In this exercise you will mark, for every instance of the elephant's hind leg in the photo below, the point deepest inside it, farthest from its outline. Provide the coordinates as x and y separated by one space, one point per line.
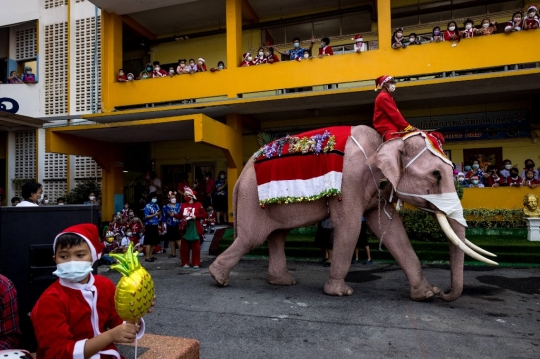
277 265
224 263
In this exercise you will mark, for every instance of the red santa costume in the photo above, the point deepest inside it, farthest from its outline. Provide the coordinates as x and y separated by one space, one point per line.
471 32
159 72
115 227
516 181
515 25
201 65
531 21
121 76
386 117
248 60
359 45
210 220
69 313
191 212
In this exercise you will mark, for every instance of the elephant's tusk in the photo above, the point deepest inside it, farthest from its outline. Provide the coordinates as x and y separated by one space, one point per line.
452 236
478 249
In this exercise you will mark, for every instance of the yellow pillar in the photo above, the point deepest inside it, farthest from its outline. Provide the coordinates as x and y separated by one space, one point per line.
235 164
111 55
106 155
234 35
384 24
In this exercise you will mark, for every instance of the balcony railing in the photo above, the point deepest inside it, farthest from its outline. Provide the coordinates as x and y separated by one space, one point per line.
495 51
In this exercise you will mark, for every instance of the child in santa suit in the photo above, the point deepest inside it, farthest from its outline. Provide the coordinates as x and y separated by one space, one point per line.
514 179
192 212
386 118
270 56
201 65
248 60
121 76
469 31
531 21
158 71
260 59
325 50
529 179
359 45
76 316
115 225
516 24
210 220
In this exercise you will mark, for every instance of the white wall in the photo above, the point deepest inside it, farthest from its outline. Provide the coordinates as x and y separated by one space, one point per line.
16 11
27 95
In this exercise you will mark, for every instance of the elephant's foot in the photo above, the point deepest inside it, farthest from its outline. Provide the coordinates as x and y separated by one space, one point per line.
423 291
281 279
337 287
221 276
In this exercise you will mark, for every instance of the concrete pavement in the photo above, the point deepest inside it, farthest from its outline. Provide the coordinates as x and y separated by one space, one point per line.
498 315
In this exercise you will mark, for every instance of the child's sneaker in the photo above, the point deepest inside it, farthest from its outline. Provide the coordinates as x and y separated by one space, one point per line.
195 267
185 267
369 262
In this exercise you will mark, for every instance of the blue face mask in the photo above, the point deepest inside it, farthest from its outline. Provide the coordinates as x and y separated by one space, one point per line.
296 44
475 166
467 168
220 67
154 200
74 271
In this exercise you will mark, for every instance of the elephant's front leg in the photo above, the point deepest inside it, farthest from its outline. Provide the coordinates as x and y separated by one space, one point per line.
397 242
345 238
277 264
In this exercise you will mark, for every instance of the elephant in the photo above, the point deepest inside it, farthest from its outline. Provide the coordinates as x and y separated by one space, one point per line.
415 176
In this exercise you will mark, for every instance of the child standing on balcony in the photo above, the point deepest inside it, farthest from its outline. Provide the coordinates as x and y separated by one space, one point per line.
531 22
414 39
397 39
452 33
181 69
359 45
260 59
516 24
192 67
158 71
121 76
248 60
325 50
28 77
488 28
147 72
436 35
530 180
469 31
201 65
270 56
514 180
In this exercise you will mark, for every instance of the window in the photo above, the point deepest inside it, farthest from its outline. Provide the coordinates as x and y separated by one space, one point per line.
327 28
303 31
356 23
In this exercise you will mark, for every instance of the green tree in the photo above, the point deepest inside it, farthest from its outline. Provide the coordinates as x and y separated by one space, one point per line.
79 193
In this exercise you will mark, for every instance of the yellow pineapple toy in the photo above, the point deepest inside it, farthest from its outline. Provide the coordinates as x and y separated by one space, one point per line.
135 290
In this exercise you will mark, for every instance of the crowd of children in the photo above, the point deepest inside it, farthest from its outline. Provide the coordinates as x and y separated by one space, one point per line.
452 33
489 175
184 67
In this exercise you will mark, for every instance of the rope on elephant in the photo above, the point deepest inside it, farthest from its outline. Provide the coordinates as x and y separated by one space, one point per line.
380 197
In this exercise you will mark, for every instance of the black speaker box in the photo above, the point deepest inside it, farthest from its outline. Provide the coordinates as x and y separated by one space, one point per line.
26 238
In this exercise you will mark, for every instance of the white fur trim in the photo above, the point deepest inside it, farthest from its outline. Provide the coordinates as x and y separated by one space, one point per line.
95 256
300 188
78 350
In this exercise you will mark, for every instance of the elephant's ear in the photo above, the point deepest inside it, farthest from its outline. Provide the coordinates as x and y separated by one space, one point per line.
388 160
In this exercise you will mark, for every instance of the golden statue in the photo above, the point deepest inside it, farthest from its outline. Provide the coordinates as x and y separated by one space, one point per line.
530 203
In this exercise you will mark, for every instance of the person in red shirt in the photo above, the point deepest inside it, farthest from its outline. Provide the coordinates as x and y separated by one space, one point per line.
514 180
386 118
9 315
270 56
531 20
191 214
452 33
325 50
529 179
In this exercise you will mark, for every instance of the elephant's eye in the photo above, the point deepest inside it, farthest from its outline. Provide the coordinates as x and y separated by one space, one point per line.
437 175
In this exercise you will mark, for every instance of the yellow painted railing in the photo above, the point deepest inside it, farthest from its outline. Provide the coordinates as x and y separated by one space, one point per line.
496 198
482 52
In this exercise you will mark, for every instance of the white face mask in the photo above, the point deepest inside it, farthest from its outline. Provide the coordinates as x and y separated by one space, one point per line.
45 201
61 203
460 179
468 26
452 28
222 176
485 26
411 39
261 53
507 166
306 55
157 68
74 271
532 14
129 234
91 198
171 71
448 203
130 78
173 200
249 58
391 88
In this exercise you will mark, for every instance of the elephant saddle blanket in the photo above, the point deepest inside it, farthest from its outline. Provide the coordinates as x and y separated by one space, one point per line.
434 141
303 167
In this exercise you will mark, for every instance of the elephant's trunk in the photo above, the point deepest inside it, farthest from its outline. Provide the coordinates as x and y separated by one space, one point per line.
458 247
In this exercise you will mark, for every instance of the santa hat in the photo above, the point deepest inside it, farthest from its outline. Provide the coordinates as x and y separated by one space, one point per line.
357 37
88 232
246 54
461 174
380 81
171 194
201 59
532 7
189 192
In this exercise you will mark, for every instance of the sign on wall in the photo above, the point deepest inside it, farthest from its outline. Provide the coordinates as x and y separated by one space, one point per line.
477 126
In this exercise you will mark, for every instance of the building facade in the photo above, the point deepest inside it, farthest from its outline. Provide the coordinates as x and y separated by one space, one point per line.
481 93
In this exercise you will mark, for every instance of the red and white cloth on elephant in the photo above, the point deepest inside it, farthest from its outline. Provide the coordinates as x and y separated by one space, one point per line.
303 167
